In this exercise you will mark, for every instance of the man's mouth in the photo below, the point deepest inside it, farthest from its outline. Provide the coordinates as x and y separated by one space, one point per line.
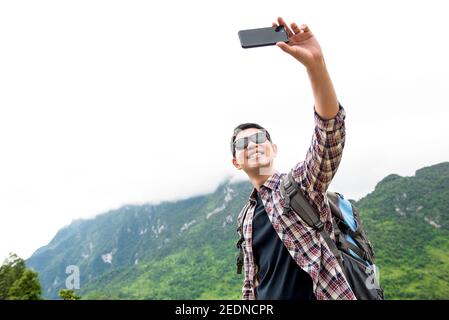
254 154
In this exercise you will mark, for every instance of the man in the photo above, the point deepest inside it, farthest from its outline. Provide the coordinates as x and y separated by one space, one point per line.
283 257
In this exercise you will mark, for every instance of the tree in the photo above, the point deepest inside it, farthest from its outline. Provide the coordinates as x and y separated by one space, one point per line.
66 294
18 282
27 287
11 270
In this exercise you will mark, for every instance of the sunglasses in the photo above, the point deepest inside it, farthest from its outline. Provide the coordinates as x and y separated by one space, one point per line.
242 143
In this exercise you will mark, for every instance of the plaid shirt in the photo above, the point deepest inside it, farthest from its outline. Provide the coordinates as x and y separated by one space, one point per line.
304 244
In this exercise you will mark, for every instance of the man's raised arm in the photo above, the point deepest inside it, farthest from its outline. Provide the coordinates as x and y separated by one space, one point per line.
304 47
323 157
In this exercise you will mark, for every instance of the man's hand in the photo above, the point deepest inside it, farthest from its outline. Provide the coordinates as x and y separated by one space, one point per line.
302 45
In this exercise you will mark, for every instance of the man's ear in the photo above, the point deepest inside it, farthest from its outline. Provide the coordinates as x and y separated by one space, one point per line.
235 163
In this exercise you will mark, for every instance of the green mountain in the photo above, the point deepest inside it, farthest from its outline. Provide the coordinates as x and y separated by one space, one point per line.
407 219
186 249
173 250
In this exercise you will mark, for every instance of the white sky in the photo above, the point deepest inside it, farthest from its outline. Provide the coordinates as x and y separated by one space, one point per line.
104 103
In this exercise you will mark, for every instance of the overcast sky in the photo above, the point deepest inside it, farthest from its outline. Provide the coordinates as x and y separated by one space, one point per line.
105 103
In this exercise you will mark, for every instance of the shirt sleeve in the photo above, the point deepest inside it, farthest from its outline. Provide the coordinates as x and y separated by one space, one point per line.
316 172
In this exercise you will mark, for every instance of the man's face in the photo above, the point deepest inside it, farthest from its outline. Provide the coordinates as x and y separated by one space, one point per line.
255 156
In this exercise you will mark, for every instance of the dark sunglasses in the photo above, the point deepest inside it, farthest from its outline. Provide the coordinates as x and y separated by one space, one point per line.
242 143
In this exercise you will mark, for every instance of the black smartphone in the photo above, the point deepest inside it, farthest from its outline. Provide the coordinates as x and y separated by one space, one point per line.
261 37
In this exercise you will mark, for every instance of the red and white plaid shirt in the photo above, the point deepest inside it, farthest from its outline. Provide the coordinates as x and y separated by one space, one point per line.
304 244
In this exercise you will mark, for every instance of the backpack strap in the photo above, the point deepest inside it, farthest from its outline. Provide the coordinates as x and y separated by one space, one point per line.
295 199
362 249
361 243
345 245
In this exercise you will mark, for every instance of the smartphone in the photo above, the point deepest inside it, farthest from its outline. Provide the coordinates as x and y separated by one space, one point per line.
261 37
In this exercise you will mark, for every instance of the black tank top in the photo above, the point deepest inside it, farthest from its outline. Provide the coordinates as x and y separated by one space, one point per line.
280 277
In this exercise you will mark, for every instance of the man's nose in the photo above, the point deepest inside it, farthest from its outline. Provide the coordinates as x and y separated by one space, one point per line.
252 144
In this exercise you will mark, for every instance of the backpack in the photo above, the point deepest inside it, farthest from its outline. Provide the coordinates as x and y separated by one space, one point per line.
352 248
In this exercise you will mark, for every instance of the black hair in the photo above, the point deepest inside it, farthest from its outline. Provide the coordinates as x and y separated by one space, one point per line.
245 126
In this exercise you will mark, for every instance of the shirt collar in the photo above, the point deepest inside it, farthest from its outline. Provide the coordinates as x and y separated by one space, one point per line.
271 183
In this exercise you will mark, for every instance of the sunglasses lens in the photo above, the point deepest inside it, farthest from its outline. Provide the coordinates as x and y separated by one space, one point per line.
241 144
261 137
